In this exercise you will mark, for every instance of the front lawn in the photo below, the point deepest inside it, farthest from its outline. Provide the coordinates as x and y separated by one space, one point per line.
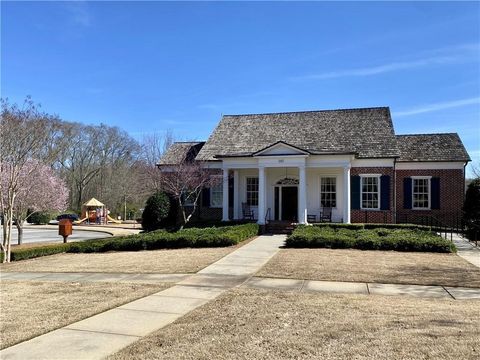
187 238
368 239
156 261
372 266
260 324
32 308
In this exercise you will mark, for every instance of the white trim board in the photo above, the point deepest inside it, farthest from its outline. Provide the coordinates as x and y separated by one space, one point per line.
429 165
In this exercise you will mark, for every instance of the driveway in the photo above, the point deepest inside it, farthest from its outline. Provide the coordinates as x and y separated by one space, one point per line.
49 235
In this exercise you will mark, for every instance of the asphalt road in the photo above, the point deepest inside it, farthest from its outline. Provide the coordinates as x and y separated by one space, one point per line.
46 235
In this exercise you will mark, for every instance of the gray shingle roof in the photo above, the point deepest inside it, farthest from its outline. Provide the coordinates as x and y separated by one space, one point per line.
431 147
368 132
181 151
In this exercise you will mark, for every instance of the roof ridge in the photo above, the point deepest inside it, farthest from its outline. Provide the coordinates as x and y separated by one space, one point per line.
188 142
311 111
428 134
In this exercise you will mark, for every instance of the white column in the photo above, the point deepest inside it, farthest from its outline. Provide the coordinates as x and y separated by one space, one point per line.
302 195
346 194
225 195
261 196
236 195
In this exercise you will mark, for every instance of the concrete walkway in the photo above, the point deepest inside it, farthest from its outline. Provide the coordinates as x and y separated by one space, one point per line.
467 250
338 287
106 333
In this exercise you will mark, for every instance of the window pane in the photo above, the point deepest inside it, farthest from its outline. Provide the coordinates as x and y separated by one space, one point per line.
216 195
421 193
328 192
370 192
252 191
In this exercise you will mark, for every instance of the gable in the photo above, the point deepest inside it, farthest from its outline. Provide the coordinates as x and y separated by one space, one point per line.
280 148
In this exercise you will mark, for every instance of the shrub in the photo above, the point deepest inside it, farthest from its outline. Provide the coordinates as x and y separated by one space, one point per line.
368 239
156 210
397 226
471 210
340 226
160 239
33 252
40 218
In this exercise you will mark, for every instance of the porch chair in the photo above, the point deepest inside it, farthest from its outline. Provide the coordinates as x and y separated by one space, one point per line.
247 212
326 214
311 218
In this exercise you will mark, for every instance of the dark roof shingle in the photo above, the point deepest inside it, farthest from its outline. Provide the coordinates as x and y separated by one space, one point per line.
181 151
367 132
431 147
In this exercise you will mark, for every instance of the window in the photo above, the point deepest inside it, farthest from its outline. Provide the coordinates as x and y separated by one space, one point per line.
370 192
328 192
252 191
188 198
216 195
421 193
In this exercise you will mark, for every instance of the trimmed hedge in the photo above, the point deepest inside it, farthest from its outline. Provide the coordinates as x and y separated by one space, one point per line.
373 226
368 239
160 239
215 223
37 251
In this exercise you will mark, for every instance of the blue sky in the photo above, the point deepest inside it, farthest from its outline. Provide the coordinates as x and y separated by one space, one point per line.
152 66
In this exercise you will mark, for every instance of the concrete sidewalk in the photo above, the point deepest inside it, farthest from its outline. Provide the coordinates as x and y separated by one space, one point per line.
467 250
106 333
338 287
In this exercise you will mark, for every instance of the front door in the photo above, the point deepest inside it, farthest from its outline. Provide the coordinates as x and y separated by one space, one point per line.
289 203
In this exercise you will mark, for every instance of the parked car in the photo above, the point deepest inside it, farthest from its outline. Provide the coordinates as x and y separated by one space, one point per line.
71 217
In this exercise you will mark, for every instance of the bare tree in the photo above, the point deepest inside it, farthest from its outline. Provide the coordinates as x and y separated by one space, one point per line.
92 160
184 182
25 135
475 166
153 147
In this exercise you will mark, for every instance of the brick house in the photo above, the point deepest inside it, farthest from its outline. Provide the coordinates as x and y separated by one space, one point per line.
292 166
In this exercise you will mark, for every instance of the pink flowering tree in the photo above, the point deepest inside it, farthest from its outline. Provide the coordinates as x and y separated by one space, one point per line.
42 190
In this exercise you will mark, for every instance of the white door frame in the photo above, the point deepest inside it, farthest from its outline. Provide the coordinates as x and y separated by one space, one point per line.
280 199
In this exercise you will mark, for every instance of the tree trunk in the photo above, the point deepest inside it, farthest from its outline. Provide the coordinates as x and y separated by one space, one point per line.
20 232
184 217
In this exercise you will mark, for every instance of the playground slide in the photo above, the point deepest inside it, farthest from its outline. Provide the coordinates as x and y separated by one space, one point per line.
80 221
113 220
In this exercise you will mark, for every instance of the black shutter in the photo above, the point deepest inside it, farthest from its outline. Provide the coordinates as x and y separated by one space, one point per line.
385 192
435 192
407 193
355 192
206 197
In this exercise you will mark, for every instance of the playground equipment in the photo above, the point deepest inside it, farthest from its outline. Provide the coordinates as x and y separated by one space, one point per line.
95 212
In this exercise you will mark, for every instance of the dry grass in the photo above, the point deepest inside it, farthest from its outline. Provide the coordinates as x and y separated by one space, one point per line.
259 324
157 261
29 309
372 266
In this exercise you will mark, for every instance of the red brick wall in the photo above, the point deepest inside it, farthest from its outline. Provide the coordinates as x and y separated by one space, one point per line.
451 195
374 216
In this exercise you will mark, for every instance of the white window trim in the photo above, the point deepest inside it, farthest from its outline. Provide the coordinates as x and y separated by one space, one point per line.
336 187
379 192
187 202
246 188
211 193
429 187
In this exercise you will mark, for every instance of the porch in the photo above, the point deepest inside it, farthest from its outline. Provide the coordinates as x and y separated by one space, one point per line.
294 194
